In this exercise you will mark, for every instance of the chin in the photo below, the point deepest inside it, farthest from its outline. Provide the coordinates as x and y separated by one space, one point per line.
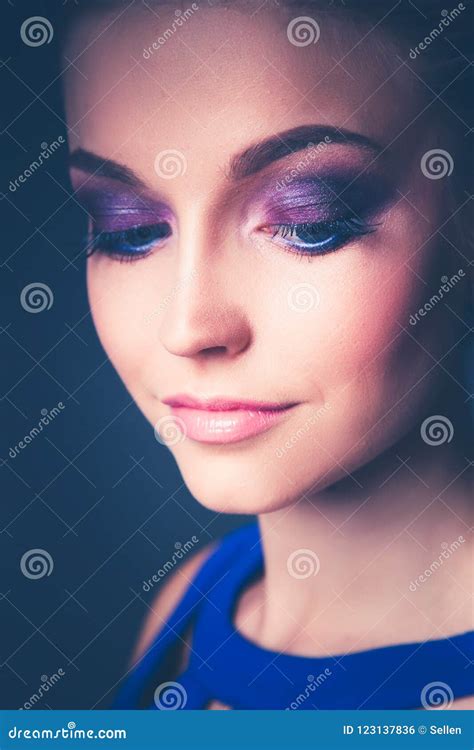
240 483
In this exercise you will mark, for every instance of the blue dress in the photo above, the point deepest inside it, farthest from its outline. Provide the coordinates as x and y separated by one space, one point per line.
225 666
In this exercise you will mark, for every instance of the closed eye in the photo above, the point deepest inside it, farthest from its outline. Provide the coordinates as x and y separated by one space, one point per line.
320 237
129 244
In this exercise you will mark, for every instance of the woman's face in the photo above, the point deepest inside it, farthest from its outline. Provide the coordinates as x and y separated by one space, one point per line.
254 292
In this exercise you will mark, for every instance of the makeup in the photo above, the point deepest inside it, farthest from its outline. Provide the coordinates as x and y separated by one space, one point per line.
221 420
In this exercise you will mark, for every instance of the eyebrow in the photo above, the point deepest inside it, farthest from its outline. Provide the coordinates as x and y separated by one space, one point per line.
247 163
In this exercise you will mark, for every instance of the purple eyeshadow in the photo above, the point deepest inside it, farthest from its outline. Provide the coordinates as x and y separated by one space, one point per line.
324 198
115 210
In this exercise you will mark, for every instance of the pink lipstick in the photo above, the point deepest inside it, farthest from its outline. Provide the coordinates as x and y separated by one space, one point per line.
224 420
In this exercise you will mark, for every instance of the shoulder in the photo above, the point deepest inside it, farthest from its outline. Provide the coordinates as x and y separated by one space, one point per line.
226 550
169 597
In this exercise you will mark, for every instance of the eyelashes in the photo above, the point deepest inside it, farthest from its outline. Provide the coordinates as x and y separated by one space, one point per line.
322 237
129 244
306 238
316 238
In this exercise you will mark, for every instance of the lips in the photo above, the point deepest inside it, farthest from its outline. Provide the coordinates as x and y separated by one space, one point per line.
223 420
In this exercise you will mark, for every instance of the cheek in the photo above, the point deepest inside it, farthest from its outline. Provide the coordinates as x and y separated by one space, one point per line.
351 336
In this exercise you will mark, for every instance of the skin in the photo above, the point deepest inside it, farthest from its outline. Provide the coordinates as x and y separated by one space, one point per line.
209 311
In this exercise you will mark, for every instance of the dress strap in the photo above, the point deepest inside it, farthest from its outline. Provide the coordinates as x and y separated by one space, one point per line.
173 630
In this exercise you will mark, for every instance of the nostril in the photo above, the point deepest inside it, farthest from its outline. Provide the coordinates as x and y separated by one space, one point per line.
211 351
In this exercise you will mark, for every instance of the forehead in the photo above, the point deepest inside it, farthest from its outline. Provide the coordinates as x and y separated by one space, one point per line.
226 77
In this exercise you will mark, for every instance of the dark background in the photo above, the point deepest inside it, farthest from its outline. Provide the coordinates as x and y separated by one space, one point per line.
95 490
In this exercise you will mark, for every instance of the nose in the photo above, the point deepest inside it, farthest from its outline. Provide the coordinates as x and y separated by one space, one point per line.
206 314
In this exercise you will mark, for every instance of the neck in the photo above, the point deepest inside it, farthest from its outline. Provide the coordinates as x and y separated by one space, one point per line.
346 562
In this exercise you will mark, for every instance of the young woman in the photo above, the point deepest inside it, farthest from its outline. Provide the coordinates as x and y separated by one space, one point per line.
278 269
